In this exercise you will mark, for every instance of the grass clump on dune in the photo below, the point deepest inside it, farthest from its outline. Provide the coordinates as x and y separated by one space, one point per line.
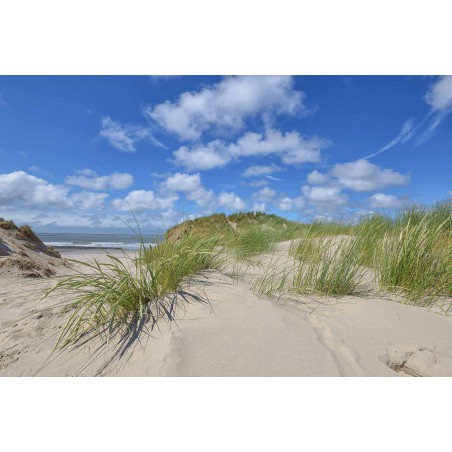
111 296
416 260
321 265
249 242
328 266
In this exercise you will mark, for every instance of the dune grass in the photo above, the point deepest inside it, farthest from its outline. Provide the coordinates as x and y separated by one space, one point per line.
249 242
416 260
409 254
328 266
320 265
111 296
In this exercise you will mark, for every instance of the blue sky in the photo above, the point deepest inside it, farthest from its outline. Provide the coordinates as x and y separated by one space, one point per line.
77 152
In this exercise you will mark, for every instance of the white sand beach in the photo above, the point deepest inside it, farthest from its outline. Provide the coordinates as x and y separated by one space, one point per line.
229 331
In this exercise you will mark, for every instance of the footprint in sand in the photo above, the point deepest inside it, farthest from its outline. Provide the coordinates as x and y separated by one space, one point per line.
345 357
413 361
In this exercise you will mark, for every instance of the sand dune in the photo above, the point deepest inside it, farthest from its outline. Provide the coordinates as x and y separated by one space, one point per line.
231 332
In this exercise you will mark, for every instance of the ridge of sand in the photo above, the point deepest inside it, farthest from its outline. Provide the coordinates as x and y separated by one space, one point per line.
235 334
22 253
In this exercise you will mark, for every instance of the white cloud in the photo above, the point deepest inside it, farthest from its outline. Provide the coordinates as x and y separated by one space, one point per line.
264 195
260 170
380 200
200 157
274 178
182 182
209 202
317 178
258 183
142 200
124 137
227 104
439 97
89 180
88 200
2 102
361 175
284 204
68 219
328 197
230 201
259 207
23 190
299 202
291 147
20 187
205 199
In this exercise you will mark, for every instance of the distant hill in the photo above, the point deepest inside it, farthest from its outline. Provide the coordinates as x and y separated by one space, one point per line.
220 223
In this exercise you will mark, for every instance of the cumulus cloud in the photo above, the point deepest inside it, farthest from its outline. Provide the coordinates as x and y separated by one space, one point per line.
361 175
284 204
204 198
182 182
88 200
227 104
231 202
259 207
327 197
260 170
125 137
208 202
264 195
142 200
317 178
291 147
89 180
380 200
202 157
20 187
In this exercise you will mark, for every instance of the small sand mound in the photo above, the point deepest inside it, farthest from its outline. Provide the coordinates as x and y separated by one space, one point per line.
418 361
22 253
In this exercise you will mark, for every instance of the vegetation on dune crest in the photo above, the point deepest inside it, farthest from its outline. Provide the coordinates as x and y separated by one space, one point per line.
409 254
320 265
416 260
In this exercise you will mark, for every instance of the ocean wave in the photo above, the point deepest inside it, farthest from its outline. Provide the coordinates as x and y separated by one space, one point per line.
102 245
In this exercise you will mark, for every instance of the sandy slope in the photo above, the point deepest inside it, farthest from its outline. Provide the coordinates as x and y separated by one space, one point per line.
235 334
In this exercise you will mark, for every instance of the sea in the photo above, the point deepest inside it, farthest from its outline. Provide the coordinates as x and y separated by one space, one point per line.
104 241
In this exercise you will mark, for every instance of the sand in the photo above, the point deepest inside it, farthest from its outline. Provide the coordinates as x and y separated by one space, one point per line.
234 333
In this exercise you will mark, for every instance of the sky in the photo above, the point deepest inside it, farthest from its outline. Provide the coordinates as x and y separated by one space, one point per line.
84 153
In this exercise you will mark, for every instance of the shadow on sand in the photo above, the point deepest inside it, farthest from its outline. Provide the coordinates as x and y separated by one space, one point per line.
115 347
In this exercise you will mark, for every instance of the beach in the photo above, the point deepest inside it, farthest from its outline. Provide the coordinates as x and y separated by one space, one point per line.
222 328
